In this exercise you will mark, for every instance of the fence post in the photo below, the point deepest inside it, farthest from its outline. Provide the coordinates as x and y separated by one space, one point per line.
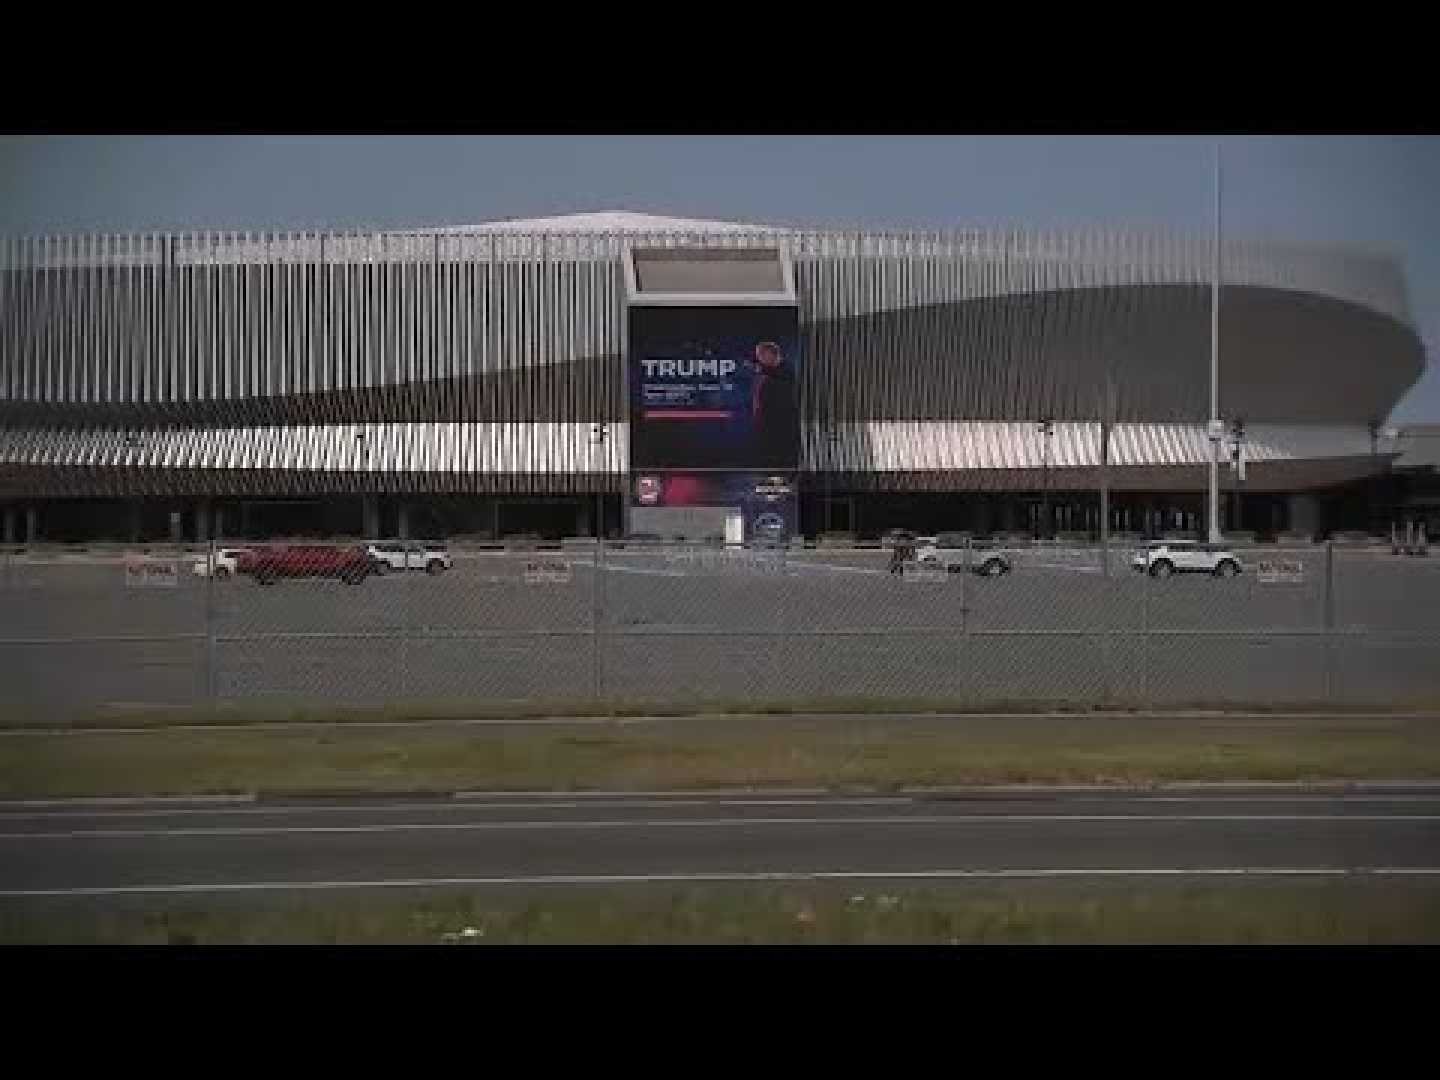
211 690
965 585
407 606
1107 633
967 661
1329 620
1145 585
597 620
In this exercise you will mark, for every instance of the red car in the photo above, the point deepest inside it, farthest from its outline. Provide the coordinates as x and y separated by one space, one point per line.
266 564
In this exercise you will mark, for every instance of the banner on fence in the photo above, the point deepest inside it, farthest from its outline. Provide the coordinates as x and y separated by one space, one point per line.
547 572
1281 571
922 571
147 573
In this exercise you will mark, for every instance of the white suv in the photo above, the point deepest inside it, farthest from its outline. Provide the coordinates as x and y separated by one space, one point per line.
1165 557
224 565
398 555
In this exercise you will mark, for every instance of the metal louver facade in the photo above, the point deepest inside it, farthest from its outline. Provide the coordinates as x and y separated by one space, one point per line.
483 361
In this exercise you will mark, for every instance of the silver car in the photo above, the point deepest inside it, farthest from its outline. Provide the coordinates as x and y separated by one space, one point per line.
956 555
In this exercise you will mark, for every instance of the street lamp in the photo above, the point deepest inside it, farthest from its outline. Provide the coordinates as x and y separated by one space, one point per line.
131 440
1374 478
832 440
1215 432
1107 424
1389 434
1237 465
369 523
1046 429
599 433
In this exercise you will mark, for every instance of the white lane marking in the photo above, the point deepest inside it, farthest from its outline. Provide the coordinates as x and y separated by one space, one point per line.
387 808
1337 797
737 876
712 823
1299 787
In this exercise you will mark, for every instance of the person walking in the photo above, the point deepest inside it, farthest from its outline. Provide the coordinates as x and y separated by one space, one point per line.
900 553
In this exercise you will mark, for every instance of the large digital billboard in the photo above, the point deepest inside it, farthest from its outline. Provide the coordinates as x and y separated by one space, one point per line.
714 388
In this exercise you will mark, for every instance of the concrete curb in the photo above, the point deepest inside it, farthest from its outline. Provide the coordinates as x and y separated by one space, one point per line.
1338 787
1318 787
632 720
1199 787
132 800
611 794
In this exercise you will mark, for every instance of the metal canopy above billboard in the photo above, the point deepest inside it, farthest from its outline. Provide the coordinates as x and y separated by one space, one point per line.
709 277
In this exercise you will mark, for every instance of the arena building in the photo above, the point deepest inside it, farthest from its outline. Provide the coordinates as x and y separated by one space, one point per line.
636 374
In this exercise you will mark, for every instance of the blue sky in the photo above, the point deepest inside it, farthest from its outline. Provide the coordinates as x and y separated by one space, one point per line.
1376 191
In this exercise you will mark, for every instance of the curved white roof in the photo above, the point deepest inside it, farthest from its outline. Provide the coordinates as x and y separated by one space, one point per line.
608 221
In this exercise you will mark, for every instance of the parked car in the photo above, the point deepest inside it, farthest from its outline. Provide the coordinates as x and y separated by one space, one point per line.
266 565
224 561
402 555
951 552
1165 557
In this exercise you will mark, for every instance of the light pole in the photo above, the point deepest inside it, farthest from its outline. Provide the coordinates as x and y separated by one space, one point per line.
1374 480
599 433
832 440
1389 434
1217 428
1046 429
1107 423
131 440
1237 464
369 522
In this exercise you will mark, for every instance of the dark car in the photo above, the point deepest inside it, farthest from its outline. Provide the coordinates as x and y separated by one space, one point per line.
266 565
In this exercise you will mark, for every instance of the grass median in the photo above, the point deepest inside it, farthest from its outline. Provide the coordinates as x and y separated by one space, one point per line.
1021 912
828 752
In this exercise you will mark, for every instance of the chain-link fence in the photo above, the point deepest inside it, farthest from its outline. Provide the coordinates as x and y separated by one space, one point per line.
973 624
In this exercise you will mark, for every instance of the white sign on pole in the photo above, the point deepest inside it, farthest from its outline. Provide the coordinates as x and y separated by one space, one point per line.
918 571
1281 571
547 572
149 573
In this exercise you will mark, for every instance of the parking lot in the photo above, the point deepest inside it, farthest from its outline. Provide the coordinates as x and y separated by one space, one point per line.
675 624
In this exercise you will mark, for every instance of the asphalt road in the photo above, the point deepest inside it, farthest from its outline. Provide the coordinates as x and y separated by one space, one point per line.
151 853
673 625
